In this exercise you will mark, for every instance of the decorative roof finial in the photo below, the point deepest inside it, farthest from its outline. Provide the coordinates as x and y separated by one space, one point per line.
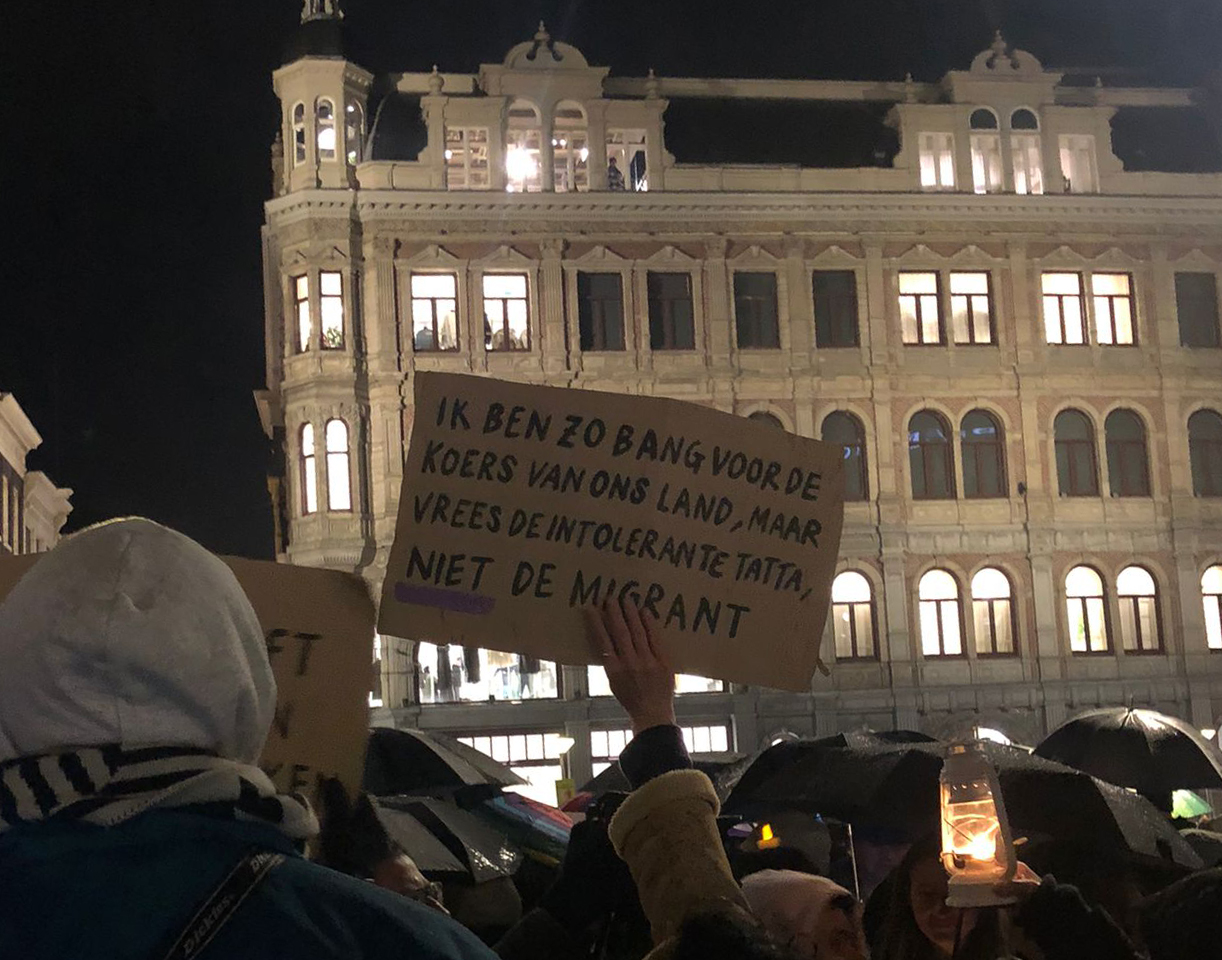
541 35
651 86
543 39
909 88
321 10
436 81
999 44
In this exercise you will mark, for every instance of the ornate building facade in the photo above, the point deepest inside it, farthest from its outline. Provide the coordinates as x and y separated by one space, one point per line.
999 294
33 510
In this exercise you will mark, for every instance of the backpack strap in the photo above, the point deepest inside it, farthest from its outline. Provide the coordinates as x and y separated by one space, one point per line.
222 903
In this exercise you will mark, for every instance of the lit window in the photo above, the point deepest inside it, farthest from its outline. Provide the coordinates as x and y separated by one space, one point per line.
309 471
1077 466
853 617
930 457
506 316
846 431
523 142
1088 629
671 323
1211 594
1078 163
596 678
434 312
1205 453
1063 308
755 311
607 745
835 295
1113 295
627 149
600 311
1139 618
941 633
339 486
301 311
1128 470
971 310
1025 152
466 154
986 152
937 159
4 497
452 674
331 309
1196 307
299 134
920 308
993 612
983 445
325 129
570 148
533 756
354 131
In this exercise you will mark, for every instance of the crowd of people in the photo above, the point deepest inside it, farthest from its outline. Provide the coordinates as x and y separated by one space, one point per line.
135 696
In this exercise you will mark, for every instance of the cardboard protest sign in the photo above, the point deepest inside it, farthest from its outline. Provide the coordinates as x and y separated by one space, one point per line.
523 504
318 625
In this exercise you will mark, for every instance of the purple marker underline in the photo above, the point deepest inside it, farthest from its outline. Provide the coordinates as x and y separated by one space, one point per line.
444 599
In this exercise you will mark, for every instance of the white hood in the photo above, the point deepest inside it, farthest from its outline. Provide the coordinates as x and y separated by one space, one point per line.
131 633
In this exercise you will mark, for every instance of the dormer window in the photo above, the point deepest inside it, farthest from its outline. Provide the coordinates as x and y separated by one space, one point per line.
570 148
325 129
466 154
937 155
354 131
523 142
299 134
627 149
1025 152
986 151
1078 163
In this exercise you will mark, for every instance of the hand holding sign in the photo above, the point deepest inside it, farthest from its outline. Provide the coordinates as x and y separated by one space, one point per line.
522 505
638 671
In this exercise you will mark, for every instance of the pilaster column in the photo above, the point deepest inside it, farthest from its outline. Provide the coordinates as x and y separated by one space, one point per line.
555 348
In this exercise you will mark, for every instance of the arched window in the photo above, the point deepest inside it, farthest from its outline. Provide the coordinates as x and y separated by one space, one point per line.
930 457
846 430
1211 594
1140 625
299 134
767 419
1205 453
324 132
339 486
853 617
1128 470
1087 610
354 131
941 630
309 471
993 612
983 443
1077 467
1025 150
570 148
986 151
523 145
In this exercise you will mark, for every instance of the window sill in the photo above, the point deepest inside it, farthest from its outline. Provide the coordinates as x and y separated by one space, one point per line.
1092 654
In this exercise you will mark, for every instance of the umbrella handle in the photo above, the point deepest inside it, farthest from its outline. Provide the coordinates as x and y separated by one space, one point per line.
598 947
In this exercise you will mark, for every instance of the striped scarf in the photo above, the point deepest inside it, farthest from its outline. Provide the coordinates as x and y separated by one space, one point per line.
108 785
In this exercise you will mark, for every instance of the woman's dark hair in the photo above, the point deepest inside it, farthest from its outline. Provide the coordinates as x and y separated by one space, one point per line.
900 938
727 933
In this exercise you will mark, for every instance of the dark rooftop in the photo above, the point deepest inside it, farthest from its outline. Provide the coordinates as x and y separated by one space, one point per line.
1166 139
398 131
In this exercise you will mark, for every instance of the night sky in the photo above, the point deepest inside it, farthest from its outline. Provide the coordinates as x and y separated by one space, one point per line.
135 164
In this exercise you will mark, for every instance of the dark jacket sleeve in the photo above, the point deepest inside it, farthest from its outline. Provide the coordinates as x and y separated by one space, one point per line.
1065 927
539 936
652 753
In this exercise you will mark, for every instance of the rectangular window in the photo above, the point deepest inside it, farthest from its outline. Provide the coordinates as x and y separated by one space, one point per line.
1087 627
466 154
971 309
755 311
506 313
596 677
331 304
301 311
1113 296
937 157
535 757
986 163
671 323
627 149
835 293
940 633
1078 163
600 311
853 629
607 745
1063 322
1139 631
1196 305
434 312
920 308
994 622
1028 163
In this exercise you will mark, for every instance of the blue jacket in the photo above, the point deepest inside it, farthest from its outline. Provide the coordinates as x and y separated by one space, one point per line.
73 890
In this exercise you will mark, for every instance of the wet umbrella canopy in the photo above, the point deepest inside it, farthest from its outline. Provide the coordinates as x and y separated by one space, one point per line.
415 761
1149 751
484 850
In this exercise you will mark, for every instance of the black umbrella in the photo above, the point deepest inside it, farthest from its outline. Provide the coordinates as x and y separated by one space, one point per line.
485 851
431 855
416 761
895 787
722 768
1149 751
